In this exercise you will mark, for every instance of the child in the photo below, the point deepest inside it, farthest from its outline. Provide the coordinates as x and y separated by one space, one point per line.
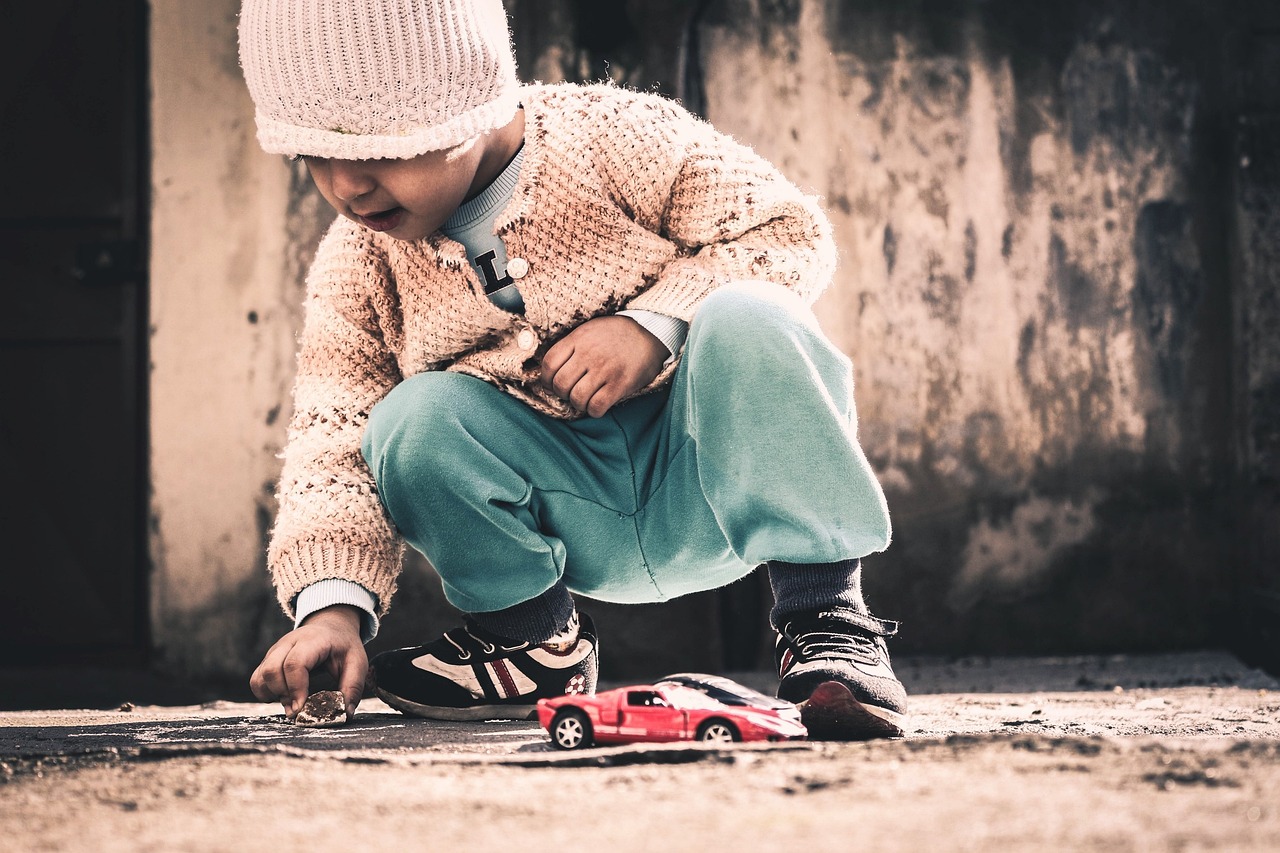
559 341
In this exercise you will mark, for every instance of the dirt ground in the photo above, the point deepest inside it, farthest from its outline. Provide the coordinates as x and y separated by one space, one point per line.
1162 753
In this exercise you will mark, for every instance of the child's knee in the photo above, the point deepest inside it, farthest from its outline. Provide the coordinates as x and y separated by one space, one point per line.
746 316
750 305
417 415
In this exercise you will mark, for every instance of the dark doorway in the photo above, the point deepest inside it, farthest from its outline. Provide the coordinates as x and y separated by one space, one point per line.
72 228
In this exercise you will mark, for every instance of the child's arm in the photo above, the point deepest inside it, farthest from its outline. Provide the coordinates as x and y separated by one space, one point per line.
329 638
331 523
733 214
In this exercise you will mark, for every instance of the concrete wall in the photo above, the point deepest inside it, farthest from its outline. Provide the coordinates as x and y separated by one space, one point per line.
1255 161
224 305
1038 320
1034 210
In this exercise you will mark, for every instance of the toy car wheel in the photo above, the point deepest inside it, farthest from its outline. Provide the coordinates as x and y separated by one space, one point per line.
570 729
718 731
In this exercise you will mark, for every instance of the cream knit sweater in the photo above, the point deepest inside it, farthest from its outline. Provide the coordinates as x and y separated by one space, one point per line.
624 200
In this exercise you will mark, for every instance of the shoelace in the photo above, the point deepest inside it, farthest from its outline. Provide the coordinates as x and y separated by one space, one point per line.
851 645
466 642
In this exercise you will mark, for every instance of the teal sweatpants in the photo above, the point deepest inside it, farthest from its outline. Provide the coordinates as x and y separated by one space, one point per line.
751 455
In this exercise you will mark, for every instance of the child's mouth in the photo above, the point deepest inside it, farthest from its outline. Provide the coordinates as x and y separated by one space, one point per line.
382 221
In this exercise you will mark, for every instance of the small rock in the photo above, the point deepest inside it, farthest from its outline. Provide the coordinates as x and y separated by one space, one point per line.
325 708
125 707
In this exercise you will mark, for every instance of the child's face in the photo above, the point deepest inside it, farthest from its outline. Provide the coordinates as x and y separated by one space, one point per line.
406 199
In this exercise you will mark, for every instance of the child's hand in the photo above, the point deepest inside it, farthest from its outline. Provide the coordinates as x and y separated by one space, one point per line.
601 362
329 637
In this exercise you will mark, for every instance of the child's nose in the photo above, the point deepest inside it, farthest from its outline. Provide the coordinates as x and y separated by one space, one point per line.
349 180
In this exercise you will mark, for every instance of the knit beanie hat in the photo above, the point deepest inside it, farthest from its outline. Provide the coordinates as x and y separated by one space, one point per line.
373 79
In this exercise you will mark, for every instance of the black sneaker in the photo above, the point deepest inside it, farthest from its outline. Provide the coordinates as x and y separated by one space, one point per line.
471 674
834 665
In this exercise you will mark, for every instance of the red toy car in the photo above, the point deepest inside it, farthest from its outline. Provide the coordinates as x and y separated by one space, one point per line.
656 713
726 691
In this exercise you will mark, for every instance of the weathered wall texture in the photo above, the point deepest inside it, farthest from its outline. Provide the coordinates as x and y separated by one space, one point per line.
1039 318
223 313
1256 250
1038 288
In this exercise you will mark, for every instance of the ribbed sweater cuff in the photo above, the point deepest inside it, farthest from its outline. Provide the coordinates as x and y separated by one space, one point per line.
533 621
672 331
331 591
306 563
679 290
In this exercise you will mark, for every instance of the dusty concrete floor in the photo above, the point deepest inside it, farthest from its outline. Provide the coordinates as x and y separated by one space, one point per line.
1143 753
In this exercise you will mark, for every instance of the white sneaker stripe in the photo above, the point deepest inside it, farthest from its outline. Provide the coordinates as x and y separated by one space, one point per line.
463 676
499 674
508 681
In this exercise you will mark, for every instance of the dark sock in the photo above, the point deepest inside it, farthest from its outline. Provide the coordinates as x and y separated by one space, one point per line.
567 637
533 621
801 587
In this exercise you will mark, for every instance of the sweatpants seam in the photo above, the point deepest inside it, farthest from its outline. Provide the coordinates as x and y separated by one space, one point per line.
666 471
635 498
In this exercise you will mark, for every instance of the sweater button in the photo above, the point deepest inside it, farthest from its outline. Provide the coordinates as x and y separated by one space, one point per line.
517 268
526 339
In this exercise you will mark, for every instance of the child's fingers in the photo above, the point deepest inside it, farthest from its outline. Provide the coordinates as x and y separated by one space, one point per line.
258 684
622 381
355 669
585 388
602 401
575 384
555 359
566 378
267 681
297 678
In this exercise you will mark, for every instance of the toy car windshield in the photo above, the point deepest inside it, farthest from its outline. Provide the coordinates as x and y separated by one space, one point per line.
725 690
684 698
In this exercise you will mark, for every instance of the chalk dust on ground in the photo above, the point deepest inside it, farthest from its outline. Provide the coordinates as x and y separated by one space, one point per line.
1188 761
